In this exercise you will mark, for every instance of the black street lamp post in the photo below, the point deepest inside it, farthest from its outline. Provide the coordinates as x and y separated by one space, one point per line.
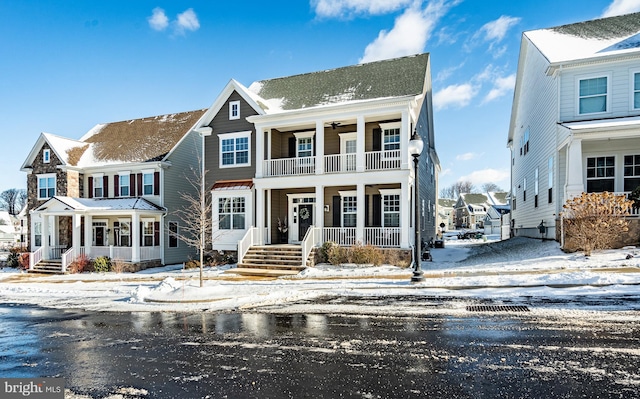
415 149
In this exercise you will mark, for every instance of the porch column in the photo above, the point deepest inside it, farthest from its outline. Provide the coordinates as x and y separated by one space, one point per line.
405 222
360 215
405 136
267 239
260 213
260 149
319 207
135 237
575 185
88 234
76 223
45 236
360 144
319 147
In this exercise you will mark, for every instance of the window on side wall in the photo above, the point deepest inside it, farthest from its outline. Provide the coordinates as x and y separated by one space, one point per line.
592 95
235 149
550 179
173 234
600 174
234 110
46 186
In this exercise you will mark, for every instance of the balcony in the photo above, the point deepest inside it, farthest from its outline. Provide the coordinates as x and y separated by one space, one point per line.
333 164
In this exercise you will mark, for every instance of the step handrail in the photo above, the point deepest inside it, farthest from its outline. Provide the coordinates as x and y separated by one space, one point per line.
310 240
252 237
35 257
68 257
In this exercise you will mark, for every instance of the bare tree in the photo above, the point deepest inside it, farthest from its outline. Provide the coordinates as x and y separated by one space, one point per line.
195 231
457 188
448 192
487 187
13 200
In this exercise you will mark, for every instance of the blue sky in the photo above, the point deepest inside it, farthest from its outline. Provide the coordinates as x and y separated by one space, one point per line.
66 66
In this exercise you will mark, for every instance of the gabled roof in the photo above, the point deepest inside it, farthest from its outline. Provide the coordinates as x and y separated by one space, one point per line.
446 202
100 204
590 39
136 140
399 77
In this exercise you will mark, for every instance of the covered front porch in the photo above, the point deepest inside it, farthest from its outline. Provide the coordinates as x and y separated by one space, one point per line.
126 229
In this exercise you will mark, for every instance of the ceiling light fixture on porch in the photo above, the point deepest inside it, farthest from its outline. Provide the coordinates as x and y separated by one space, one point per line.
415 149
334 125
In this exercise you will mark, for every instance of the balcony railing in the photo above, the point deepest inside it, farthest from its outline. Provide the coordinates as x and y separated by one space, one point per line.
335 163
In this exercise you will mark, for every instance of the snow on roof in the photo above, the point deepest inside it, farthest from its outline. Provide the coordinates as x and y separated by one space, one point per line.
108 204
590 39
632 121
62 146
381 79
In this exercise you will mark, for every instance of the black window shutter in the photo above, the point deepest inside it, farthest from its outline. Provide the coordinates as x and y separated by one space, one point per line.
292 147
366 211
116 186
314 145
132 185
141 232
90 187
140 188
156 234
156 183
337 212
377 210
105 188
377 139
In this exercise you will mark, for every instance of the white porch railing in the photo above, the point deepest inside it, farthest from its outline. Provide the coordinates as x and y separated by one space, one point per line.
382 160
386 237
148 253
35 257
311 239
340 163
124 253
67 258
343 236
289 166
252 237
121 253
632 211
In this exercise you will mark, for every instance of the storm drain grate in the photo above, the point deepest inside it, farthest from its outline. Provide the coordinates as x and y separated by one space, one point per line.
497 308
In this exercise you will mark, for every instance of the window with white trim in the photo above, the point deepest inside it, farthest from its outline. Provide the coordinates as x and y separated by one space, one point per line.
147 184
349 211
234 110
147 233
535 188
391 139
631 172
592 95
37 234
600 174
124 184
550 180
173 234
391 210
123 233
46 186
231 213
98 186
635 100
46 156
235 149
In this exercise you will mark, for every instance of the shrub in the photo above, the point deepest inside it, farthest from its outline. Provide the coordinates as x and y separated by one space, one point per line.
120 266
596 220
102 264
80 265
217 258
323 252
635 197
192 264
365 255
23 261
337 255
13 259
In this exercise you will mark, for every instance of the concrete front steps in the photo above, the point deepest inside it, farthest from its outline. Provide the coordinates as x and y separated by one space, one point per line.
52 266
273 261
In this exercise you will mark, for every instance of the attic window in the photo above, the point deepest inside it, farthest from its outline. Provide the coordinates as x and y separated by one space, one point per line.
234 110
46 156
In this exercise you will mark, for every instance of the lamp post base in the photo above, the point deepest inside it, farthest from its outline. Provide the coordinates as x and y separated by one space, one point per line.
417 277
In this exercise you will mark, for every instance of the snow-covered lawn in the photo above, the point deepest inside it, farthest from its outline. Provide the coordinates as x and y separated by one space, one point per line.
464 268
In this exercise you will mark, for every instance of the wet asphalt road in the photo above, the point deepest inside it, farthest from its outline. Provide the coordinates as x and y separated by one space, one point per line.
263 355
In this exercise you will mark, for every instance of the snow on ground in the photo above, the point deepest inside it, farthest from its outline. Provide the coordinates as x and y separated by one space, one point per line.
515 268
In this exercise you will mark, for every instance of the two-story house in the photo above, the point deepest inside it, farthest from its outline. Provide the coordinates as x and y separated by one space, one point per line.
112 192
325 152
575 118
470 210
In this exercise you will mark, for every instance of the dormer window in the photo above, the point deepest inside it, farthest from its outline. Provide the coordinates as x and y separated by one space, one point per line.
46 156
234 110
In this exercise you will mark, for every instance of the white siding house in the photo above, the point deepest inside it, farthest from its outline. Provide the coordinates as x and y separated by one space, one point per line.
575 117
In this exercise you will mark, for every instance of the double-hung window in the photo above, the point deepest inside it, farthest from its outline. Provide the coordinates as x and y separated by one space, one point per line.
98 186
592 95
349 211
147 184
231 213
235 149
234 110
600 174
46 186
124 184
635 81
147 233
631 172
390 208
173 234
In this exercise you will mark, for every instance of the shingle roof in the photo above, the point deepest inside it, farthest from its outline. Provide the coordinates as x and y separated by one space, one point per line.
381 79
588 39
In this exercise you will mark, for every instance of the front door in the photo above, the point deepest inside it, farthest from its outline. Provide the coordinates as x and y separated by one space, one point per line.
305 219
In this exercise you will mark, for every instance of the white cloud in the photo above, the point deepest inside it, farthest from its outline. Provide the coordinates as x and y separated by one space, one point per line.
501 86
410 32
620 7
158 19
455 95
347 8
467 156
495 31
480 177
187 20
